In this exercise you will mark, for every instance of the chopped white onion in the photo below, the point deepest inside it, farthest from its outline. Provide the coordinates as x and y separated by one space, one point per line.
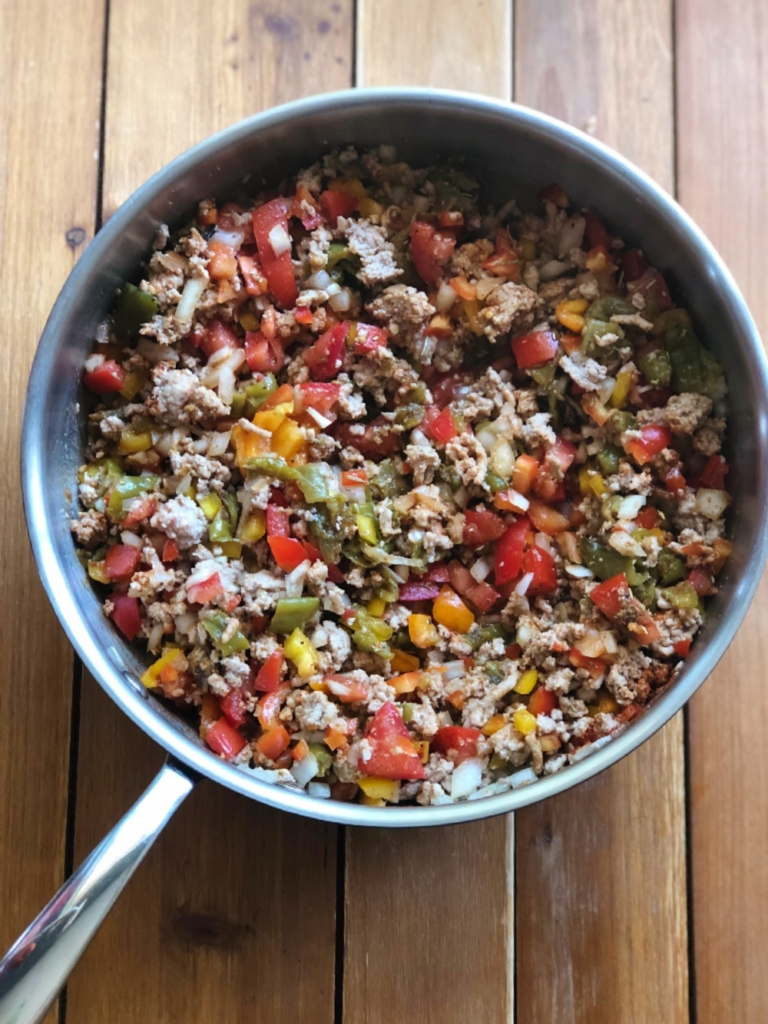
552 270
419 438
453 670
487 285
466 778
502 458
606 389
320 279
155 352
190 297
319 790
320 420
544 541
630 506
445 298
421 203
591 645
93 362
341 301
525 582
461 497
622 542
185 622
226 385
579 572
403 572
305 770
155 636
332 289
486 437
219 442
481 569
294 581
133 540
233 238
184 484
571 235
279 240
200 446
522 778
711 503
609 641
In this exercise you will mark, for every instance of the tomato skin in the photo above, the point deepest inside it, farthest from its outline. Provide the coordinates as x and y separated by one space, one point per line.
224 740
273 742
368 338
542 702
653 439
263 355
206 590
682 647
713 474
595 232
278 269
253 276
170 551
393 755
446 386
509 551
337 204
534 348
217 335
608 595
105 379
429 250
233 707
481 526
376 441
277 517
456 742
648 518
125 614
539 562
325 357
120 561
633 263
674 481
287 552
702 582
318 396
440 425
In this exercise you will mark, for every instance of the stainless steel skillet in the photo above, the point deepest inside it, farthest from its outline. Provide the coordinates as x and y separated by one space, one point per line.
515 151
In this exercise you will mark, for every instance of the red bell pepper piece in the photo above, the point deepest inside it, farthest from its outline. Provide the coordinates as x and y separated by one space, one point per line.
125 614
682 647
263 354
277 520
105 379
273 742
120 561
430 249
542 702
224 740
206 590
369 338
267 679
648 518
325 357
535 348
609 596
481 526
287 552
319 396
277 267
253 276
654 438
440 425
509 551
233 707
456 742
170 551
377 440
337 204
393 755
713 474
594 666
539 562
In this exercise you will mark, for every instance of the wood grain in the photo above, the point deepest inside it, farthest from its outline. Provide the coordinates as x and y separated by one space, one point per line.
428 919
174 80
722 141
601 876
233 915
447 45
50 86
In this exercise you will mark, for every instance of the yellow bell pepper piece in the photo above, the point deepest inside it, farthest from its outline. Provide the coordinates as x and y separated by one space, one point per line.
255 527
450 611
422 631
366 527
130 442
210 505
96 572
231 548
248 320
288 439
248 445
472 313
269 419
370 208
171 660
527 681
301 652
404 662
493 725
622 388
592 482
524 721
422 749
370 801
351 186
569 311
379 789
607 703
528 249
134 382
376 607
549 742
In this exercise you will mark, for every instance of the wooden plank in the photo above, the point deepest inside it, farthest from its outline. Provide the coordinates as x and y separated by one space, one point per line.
449 45
722 140
50 86
219 63
233 915
428 920
601 877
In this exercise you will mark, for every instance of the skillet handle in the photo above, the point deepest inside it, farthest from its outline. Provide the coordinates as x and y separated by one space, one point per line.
37 965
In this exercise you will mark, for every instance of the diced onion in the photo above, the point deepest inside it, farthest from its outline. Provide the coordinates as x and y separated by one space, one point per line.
305 770
232 238
630 506
487 285
320 279
319 790
341 301
622 542
190 297
525 582
591 645
294 581
219 441
552 270
522 778
184 484
579 572
606 389
155 352
543 541
226 385
419 438
711 503
320 420
133 540
445 298
571 235
609 640
466 778
461 497
155 636
279 240
518 501
453 670
185 622
481 569
502 459
93 362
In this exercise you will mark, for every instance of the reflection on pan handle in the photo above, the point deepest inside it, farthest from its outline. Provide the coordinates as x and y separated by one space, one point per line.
37 965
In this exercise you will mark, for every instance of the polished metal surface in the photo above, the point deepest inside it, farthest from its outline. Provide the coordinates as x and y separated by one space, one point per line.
37 965
514 151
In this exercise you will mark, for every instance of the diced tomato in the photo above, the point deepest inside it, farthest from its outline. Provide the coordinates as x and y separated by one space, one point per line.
120 561
653 288
354 478
206 590
268 708
524 473
253 276
273 742
277 517
554 193
232 217
264 355
535 348
267 679
505 261
456 742
418 592
393 755
570 342
481 526
682 647
542 702
224 740
447 386
674 481
648 518
702 582
609 596
368 338
595 233
545 518
233 707
430 249
483 596
170 551
440 425
309 220
480 593
125 614
349 691
713 474
337 204
633 264
106 378
565 452
654 438
436 573
287 552
222 263
546 485
278 268
313 553
644 629
320 396
509 551
376 441
142 509
539 562
594 666
325 357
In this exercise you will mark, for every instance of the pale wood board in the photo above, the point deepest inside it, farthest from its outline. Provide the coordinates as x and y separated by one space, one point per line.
722 183
50 86
601 873
233 915
463 45
429 913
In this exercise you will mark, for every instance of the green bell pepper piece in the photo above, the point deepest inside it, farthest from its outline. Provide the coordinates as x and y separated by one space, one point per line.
215 624
389 588
608 459
292 613
129 487
132 309
682 596
645 592
609 306
671 567
388 482
310 478
656 366
495 482
694 368
219 531
371 634
596 329
323 757
479 635
409 416
602 560
337 251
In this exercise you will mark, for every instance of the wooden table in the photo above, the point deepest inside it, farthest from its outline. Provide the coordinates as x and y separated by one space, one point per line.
640 897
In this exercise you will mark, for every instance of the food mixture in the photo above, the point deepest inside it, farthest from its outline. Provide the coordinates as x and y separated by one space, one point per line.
408 498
